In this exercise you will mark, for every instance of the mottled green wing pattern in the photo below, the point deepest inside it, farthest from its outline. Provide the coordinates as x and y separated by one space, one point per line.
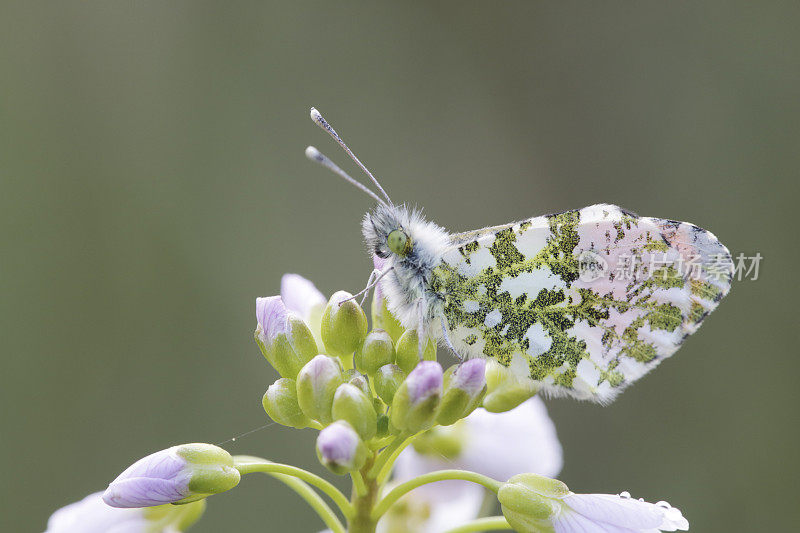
583 302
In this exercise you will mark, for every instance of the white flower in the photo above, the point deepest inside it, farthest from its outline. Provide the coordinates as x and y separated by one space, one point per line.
498 445
301 296
453 505
617 513
93 515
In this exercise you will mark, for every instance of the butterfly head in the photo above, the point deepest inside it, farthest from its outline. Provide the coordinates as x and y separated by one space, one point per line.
401 233
387 231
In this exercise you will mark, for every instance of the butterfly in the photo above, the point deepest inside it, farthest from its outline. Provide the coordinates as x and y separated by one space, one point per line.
582 303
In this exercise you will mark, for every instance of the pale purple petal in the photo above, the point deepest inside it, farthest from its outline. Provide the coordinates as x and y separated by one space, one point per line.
159 478
424 381
337 444
272 317
321 370
575 523
300 295
470 376
626 512
93 515
145 492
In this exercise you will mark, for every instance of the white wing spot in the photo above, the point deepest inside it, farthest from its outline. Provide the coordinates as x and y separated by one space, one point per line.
531 283
471 306
538 339
493 318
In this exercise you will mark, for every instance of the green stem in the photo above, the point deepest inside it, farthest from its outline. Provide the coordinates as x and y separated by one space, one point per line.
395 446
249 464
365 493
491 523
358 483
440 475
313 499
386 470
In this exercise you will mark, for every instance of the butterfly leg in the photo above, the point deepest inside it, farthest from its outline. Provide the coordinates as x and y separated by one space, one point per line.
374 277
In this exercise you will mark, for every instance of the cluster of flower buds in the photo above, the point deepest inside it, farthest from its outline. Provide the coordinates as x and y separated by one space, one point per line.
358 386
370 393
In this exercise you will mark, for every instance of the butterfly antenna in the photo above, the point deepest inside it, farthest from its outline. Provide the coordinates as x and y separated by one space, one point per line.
317 156
322 123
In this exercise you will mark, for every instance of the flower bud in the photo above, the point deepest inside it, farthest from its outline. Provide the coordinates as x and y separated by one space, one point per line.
382 318
383 426
386 381
340 449
445 443
283 337
505 390
316 385
376 351
407 351
344 324
180 474
529 501
280 403
415 405
353 377
353 406
464 387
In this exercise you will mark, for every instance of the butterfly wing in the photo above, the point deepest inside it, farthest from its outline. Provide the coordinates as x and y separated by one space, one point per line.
584 302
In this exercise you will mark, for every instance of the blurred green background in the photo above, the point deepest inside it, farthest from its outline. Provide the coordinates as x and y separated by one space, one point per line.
153 185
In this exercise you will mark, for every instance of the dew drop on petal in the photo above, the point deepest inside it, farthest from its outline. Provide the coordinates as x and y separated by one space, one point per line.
625 494
663 505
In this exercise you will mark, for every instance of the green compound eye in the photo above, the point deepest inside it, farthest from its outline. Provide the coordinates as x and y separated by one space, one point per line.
398 242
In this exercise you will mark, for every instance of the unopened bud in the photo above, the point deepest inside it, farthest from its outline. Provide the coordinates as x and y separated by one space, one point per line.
377 350
180 474
340 449
344 324
354 377
386 381
284 339
445 442
382 318
408 352
280 403
415 405
504 390
316 385
353 406
528 501
464 387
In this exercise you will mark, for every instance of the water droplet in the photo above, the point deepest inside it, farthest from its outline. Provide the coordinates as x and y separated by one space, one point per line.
641 499
625 494
663 505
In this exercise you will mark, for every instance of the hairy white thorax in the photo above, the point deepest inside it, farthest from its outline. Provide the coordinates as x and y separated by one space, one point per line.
405 286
